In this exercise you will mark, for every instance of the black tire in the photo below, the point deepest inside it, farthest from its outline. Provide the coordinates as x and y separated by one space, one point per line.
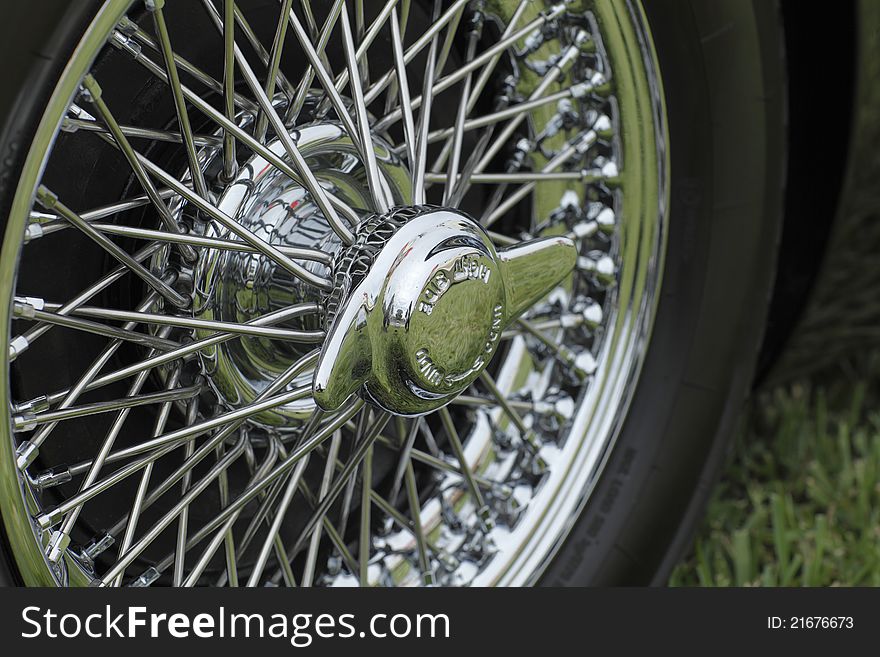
722 69
723 78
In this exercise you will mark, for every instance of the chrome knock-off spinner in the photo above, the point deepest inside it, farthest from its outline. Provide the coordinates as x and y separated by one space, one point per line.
419 304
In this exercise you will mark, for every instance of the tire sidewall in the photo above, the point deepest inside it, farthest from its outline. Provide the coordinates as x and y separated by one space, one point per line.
721 65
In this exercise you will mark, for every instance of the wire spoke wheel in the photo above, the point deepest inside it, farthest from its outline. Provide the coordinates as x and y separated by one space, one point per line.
328 293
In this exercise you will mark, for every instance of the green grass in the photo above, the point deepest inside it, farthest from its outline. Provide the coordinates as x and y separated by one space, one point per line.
799 502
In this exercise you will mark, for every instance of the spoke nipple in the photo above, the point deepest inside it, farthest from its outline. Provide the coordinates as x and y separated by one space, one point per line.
584 365
537 466
605 218
79 113
97 546
531 441
502 491
126 25
582 89
17 347
25 307
26 453
592 315
124 42
45 520
542 407
584 229
585 43
146 578
35 405
586 264
68 126
602 126
52 477
447 561
32 232
484 517
46 198
92 88
24 422
56 547
564 407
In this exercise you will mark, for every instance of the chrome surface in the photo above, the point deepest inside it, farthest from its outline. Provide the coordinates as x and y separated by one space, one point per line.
419 304
375 211
241 287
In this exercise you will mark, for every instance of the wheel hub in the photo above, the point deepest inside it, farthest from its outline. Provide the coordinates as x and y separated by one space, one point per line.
239 287
419 304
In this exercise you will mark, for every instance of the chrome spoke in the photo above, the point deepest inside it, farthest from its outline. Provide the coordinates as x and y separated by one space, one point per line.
294 252
138 505
415 511
29 449
280 512
566 154
72 125
51 202
326 80
509 129
26 339
409 130
192 323
404 459
421 148
247 139
226 529
526 177
483 59
335 489
230 164
452 179
75 323
53 222
365 534
374 177
305 83
185 350
61 537
183 522
465 468
167 440
370 35
257 45
274 63
95 97
179 103
517 109
423 41
245 235
131 401
260 483
120 40
139 546
308 177
315 538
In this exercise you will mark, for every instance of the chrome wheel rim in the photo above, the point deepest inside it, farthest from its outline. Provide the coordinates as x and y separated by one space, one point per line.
484 489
